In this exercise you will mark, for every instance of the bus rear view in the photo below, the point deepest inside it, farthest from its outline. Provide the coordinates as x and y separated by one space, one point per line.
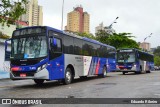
133 60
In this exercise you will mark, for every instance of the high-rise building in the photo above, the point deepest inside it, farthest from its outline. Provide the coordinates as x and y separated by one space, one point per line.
107 29
145 46
86 22
100 27
78 21
34 14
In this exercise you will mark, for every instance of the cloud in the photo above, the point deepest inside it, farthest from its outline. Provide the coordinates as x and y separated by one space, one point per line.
139 17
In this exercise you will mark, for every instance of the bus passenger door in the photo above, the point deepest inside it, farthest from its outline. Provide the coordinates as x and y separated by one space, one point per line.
56 58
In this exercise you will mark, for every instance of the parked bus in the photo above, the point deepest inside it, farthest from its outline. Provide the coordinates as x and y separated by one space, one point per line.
44 53
133 60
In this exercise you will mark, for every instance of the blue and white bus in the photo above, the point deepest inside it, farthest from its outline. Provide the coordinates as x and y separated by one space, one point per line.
133 60
44 53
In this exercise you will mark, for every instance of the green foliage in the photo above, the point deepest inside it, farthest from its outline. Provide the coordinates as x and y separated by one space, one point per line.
121 40
91 36
157 56
11 10
103 37
157 51
157 60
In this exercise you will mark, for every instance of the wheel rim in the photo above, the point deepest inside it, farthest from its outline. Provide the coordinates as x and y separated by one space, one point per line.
104 72
68 76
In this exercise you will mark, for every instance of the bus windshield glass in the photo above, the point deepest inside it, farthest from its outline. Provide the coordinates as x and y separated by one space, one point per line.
126 57
29 47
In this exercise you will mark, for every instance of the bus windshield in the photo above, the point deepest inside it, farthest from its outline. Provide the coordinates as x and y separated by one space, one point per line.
29 47
126 57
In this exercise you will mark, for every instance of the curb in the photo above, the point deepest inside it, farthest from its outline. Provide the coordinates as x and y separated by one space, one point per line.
4 75
4 78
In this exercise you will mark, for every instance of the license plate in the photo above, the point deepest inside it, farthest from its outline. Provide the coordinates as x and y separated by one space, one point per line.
22 75
125 69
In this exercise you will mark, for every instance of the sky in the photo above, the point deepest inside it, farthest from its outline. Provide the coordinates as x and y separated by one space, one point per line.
139 17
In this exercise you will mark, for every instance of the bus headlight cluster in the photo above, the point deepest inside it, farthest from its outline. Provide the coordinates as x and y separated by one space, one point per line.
134 65
44 66
41 67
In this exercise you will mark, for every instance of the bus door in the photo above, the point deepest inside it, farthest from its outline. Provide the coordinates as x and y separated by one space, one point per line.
55 56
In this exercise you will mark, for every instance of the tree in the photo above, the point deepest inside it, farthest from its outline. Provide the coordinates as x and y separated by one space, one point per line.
11 10
102 36
91 36
157 51
157 56
121 40
157 60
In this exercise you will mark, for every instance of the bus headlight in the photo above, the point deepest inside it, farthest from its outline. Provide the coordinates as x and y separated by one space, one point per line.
39 68
44 66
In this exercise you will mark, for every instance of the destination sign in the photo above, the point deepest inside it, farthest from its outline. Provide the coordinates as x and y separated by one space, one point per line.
129 50
26 31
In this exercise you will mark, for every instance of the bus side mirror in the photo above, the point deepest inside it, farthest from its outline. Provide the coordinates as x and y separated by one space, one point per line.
54 42
7 51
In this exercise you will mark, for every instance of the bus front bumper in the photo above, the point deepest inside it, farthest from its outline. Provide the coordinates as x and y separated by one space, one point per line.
43 74
133 69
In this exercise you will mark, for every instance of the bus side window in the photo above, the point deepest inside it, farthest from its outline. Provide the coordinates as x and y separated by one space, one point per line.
138 55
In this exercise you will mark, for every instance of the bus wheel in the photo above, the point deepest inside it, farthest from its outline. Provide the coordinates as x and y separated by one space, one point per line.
68 76
104 74
39 81
140 72
123 73
148 71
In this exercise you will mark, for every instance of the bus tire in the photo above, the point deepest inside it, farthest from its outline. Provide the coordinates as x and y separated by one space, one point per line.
39 81
68 77
104 74
123 73
148 71
140 72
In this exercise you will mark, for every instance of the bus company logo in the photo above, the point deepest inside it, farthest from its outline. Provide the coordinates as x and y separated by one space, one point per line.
32 68
6 101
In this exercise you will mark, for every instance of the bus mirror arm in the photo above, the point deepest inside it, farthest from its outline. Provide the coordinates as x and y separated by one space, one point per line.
6 44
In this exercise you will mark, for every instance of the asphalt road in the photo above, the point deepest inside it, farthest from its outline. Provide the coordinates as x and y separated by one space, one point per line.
115 85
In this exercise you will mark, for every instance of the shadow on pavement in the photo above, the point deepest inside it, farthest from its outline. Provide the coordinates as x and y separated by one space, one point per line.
52 84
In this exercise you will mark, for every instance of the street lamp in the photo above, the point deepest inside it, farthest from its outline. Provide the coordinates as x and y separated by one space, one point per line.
110 31
145 39
62 15
110 26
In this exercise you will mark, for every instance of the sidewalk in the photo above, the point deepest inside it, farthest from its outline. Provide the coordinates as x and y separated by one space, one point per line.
4 75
